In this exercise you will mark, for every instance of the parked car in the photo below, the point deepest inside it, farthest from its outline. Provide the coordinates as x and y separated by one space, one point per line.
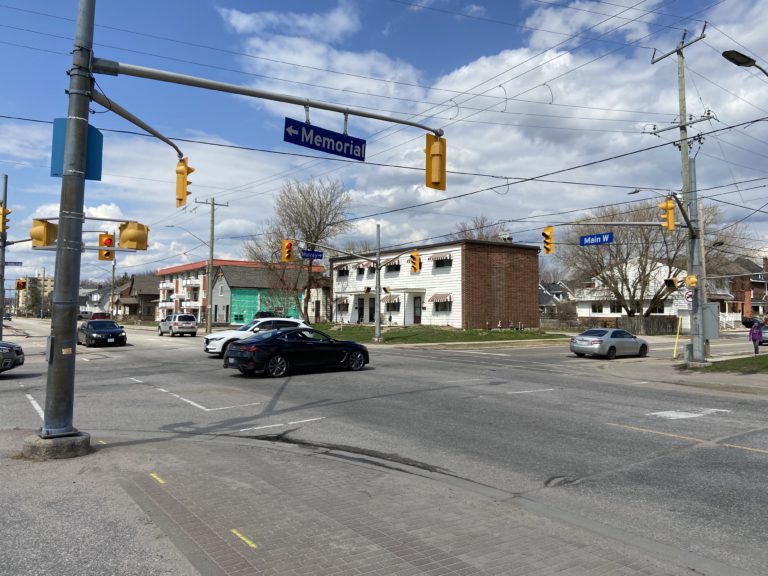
608 342
7 316
277 352
100 316
107 332
764 338
265 314
217 342
178 324
11 355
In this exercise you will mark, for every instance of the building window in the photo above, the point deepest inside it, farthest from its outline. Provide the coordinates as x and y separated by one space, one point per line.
360 271
444 263
393 268
616 308
343 272
238 318
221 289
658 309
342 307
597 307
392 306
371 270
443 306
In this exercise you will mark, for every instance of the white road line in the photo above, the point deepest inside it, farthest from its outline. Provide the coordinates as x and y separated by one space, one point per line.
307 420
531 391
278 425
200 406
235 406
679 414
85 359
136 380
480 353
36 406
262 427
460 381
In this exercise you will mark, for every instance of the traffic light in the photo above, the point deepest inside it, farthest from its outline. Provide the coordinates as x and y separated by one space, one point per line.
4 219
133 235
387 289
21 284
668 217
549 239
43 233
691 281
435 159
415 261
672 284
106 246
286 254
182 173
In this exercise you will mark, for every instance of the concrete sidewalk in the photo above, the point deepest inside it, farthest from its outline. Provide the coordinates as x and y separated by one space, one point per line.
172 504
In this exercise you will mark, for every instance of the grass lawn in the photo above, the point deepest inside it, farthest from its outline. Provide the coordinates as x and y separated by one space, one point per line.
749 365
428 334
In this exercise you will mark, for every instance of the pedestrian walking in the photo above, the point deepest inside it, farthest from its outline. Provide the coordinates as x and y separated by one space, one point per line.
756 335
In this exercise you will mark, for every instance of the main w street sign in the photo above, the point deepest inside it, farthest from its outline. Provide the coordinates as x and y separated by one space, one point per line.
323 140
592 239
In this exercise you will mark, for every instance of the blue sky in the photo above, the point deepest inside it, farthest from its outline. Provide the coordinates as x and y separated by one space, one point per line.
522 89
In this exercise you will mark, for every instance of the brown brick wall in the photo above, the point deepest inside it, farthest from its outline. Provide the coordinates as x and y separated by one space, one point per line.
500 282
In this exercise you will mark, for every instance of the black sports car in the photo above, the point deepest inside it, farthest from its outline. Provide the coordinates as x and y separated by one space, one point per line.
94 332
276 352
11 355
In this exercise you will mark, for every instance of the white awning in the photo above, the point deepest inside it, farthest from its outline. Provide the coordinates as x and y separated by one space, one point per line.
395 262
342 267
391 299
440 298
440 256
341 300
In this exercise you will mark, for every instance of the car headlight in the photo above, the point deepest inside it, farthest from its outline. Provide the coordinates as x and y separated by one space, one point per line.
4 349
122 333
98 336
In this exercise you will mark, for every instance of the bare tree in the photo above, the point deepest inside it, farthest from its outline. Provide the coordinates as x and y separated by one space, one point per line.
312 212
480 228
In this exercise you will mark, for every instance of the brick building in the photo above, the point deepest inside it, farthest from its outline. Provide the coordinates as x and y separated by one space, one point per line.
463 284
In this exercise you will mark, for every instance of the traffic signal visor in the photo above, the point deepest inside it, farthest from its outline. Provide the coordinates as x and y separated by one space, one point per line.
672 284
415 261
43 233
668 216
4 219
183 170
549 239
435 162
106 246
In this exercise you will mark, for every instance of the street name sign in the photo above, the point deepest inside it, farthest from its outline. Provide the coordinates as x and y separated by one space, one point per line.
593 239
316 138
311 254
14 264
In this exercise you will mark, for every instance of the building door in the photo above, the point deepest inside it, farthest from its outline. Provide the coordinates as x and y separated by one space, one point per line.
417 309
317 311
360 309
372 310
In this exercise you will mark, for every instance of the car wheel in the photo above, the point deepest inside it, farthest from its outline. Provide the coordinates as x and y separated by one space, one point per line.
579 354
159 331
643 351
194 334
611 354
277 366
356 360
246 371
88 342
224 349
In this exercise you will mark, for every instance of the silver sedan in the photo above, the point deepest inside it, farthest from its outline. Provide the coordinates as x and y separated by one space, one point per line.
608 342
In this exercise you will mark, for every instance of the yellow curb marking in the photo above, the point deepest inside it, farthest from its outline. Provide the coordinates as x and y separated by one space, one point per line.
157 478
699 440
244 539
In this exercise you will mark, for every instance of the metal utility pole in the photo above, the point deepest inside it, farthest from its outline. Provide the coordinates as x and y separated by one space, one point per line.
690 201
209 267
3 240
377 322
112 291
62 344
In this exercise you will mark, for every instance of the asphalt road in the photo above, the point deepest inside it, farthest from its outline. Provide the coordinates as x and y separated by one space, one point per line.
589 440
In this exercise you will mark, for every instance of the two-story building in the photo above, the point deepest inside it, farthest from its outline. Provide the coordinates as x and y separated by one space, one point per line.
462 284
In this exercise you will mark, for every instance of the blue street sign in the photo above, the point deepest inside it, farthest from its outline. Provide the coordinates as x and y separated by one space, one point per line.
311 254
324 140
93 153
14 264
593 239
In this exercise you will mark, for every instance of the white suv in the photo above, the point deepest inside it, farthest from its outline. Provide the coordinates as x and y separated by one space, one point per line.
217 342
178 324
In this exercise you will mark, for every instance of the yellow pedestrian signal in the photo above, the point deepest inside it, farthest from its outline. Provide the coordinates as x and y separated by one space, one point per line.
286 254
183 170
4 219
43 233
133 236
435 159
549 239
106 246
668 216
415 260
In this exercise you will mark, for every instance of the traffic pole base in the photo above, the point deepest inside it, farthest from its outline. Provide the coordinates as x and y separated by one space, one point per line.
36 448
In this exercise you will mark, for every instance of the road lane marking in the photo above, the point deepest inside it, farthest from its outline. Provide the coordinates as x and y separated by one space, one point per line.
244 539
689 438
307 420
156 478
680 414
748 449
235 406
262 427
460 381
531 391
200 406
279 425
136 380
36 406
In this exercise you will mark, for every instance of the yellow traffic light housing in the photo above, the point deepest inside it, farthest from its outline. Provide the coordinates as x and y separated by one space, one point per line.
133 236
4 219
106 246
21 284
672 284
668 217
286 253
549 239
435 162
183 170
415 260
387 289
691 281
43 233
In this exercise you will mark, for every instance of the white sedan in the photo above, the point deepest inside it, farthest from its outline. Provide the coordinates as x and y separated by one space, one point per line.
217 342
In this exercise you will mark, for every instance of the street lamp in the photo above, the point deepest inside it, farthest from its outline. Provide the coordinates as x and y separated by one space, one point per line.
208 273
736 57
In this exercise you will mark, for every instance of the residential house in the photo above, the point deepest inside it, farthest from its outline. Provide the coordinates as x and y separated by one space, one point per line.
553 295
137 299
463 284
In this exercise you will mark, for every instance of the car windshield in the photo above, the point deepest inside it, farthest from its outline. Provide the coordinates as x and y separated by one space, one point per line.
246 327
597 333
186 318
104 325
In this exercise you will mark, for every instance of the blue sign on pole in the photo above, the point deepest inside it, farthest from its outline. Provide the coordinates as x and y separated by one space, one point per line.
311 254
593 239
93 154
304 134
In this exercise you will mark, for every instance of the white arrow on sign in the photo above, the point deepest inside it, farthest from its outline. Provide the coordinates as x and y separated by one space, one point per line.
291 131
689 296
